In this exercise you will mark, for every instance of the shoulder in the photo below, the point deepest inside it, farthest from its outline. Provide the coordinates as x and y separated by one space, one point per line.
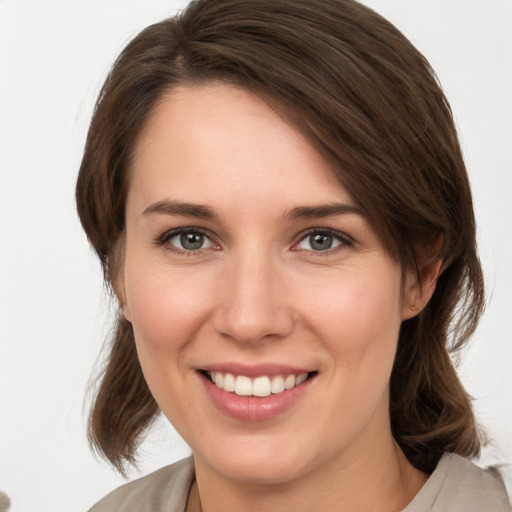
458 484
165 489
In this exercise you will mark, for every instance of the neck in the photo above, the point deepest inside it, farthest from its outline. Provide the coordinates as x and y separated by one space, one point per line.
380 480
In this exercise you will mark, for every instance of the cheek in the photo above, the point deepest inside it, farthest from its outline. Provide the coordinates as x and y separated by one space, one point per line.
359 318
366 300
167 312
165 306
360 323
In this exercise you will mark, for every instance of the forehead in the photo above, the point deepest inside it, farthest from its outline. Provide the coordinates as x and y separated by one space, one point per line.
211 142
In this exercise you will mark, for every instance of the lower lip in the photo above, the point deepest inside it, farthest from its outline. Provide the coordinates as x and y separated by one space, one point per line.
251 408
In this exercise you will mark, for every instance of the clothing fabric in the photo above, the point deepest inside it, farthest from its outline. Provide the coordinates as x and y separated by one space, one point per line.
456 485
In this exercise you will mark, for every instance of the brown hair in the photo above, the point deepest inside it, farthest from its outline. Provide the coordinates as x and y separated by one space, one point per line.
370 103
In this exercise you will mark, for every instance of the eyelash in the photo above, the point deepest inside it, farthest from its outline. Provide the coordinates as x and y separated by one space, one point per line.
345 240
163 240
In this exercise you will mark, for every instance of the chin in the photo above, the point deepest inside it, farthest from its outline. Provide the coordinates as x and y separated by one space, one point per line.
257 471
259 461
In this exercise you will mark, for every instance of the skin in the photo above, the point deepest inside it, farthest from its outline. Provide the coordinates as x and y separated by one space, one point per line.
257 292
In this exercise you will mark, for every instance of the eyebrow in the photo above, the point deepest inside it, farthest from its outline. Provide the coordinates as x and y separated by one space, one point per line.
168 207
324 210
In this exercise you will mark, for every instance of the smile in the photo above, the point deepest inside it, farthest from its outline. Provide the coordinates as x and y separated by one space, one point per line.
262 386
256 393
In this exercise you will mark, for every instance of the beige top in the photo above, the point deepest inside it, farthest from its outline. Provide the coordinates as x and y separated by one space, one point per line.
456 485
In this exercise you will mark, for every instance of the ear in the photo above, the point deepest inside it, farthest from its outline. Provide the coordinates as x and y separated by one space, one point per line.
117 277
126 313
120 292
417 293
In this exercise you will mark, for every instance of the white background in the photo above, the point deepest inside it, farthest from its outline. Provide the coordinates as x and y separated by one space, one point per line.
53 312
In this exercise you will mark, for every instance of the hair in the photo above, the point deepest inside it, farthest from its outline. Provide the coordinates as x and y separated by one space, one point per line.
370 103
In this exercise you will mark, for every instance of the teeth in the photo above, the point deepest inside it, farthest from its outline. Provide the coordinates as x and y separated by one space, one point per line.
219 379
277 385
229 382
260 386
243 386
301 378
289 382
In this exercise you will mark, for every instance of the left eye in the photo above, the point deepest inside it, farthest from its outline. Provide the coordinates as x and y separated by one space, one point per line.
320 241
190 241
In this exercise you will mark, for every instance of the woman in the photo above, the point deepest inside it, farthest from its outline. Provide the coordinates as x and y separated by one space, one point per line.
278 198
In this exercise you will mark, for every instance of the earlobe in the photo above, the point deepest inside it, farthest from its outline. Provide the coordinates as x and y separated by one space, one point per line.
418 293
126 312
120 293
117 277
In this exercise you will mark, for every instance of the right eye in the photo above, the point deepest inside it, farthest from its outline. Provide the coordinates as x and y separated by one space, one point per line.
187 241
320 241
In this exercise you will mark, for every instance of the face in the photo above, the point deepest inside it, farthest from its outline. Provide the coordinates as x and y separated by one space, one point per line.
265 309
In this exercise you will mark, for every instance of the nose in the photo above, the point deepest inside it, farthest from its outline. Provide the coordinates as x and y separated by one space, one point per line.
252 304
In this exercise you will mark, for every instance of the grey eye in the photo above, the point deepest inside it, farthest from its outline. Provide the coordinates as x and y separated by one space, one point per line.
319 242
190 241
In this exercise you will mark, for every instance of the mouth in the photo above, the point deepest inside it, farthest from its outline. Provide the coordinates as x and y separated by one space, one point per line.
256 393
261 386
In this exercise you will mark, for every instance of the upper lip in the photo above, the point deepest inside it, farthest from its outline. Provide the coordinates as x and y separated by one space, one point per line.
255 370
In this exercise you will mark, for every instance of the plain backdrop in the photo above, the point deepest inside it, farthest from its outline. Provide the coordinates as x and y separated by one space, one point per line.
54 314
